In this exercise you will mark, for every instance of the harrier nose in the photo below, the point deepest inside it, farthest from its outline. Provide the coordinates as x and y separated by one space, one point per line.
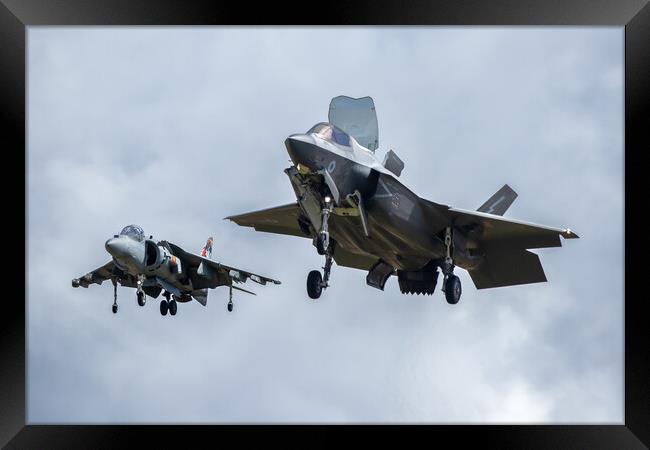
116 247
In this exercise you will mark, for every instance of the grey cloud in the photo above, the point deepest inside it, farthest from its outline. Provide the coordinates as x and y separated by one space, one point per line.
175 128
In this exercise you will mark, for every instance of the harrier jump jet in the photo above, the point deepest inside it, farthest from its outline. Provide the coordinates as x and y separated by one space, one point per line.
360 214
153 267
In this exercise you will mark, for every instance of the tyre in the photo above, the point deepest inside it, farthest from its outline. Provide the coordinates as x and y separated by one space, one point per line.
173 307
314 286
452 289
230 306
114 309
164 306
141 298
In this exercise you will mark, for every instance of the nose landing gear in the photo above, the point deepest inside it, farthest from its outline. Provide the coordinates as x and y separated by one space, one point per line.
141 298
323 238
315 281
139 293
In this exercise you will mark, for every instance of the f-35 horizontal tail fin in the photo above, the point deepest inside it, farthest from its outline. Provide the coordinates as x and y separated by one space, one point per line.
508 267
499 203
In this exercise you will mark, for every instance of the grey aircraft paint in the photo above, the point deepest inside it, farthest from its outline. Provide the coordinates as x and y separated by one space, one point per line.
360 214
152 267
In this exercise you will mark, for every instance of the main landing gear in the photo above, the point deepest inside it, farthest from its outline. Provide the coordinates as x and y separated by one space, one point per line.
167 305
315 281
451 283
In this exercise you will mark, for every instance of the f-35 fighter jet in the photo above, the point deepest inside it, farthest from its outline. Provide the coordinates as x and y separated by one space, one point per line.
358 213
153 267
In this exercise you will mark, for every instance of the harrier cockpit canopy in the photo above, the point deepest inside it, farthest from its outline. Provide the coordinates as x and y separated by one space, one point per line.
134 232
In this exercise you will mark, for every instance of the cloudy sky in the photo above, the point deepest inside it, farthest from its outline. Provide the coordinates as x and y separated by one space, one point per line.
175 128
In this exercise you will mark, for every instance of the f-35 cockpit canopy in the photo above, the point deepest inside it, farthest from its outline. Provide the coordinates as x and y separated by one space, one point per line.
356 117
134 232
330 133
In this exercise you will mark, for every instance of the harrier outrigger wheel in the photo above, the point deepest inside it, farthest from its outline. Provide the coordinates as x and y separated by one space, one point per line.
230 303
114 297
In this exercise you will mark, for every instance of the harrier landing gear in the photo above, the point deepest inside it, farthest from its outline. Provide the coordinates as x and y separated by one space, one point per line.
230 303
166 305
139 293
451 283
141 298
114 297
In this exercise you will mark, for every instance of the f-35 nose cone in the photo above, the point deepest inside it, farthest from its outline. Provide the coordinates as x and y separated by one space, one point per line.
302 150
116 247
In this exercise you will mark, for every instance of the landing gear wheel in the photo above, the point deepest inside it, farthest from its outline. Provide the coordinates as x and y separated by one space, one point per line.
452 289
314 284
114 309
173 307
230 306
141 298
164 306
321 246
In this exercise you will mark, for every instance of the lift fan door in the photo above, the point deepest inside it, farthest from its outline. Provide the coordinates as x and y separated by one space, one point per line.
358 118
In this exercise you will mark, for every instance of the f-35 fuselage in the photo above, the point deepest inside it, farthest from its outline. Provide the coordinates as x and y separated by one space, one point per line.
360 215
400 231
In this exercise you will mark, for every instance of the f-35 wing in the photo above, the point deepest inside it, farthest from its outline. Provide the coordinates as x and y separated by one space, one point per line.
103 273
490 230
280 220
201 263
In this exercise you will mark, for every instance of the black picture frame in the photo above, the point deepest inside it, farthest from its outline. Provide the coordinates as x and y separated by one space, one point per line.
634 15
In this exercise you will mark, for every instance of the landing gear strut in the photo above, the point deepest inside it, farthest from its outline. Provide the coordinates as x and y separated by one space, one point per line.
114 297
315 281
451 283
230 303
140 293
323 239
